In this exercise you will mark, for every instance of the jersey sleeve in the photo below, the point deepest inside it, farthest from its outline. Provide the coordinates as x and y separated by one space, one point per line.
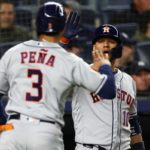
4 85
133 108
84 76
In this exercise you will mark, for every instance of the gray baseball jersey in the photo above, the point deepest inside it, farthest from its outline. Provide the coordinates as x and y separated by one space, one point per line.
104 122
38 76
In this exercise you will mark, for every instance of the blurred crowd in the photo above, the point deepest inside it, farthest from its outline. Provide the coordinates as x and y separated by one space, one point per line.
133 21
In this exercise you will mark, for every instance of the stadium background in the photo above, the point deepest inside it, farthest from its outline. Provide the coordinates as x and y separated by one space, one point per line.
93 13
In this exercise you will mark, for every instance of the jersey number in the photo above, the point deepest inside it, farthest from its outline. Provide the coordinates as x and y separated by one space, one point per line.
36 85
125 118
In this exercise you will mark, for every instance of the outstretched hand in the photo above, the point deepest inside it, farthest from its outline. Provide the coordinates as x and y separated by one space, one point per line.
71 27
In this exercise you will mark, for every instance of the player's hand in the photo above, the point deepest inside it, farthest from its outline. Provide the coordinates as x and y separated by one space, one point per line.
71 27
99 59
6 127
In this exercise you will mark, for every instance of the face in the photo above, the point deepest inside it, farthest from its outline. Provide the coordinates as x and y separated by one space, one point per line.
6 16
142 5
105 45
142 80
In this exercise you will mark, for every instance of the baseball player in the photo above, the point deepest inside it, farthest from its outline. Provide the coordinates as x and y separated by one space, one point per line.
107 125
38 75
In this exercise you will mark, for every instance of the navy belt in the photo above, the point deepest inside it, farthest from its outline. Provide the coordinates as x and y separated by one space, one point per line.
17 117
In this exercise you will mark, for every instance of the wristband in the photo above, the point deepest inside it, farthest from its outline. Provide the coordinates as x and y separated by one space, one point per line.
64 40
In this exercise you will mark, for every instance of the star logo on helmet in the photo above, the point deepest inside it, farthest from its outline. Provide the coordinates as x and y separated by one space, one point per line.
106 29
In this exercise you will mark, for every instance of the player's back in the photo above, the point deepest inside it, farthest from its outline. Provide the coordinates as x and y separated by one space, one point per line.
40 77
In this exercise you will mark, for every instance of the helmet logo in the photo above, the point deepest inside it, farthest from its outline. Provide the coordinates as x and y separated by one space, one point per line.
106 29
50 27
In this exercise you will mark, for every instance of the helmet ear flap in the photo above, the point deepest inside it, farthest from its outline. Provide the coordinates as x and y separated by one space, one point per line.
117 51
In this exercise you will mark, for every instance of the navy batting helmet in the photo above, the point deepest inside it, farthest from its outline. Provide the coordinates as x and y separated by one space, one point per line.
110 31
50 18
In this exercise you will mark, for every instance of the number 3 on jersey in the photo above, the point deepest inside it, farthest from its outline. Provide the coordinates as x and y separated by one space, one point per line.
36 85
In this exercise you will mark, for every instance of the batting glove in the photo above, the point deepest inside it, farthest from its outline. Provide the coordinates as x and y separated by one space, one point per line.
71 28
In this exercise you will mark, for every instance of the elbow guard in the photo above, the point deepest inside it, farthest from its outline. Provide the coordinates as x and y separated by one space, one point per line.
135 126
108 90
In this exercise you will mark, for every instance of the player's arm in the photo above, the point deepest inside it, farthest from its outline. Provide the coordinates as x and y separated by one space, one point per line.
2 114
136 131
4 85
136 134
3 118
102 65
101 84
108 90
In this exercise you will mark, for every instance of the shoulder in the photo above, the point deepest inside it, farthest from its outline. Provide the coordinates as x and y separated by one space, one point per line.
11 51
128 79
125 75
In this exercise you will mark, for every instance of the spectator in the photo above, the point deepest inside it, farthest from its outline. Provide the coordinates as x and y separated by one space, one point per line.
140 6
140 72
8 30
127 52
143 34
137 8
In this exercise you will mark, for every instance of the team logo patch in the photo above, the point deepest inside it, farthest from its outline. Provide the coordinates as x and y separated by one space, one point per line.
106 29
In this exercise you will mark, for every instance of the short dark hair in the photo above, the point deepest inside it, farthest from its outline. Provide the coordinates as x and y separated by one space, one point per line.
5 2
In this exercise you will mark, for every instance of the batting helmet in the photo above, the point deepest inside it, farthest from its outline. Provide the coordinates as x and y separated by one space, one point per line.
50 18
110 31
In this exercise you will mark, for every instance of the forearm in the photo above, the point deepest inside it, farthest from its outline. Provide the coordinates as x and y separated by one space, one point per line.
108 90
136 134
